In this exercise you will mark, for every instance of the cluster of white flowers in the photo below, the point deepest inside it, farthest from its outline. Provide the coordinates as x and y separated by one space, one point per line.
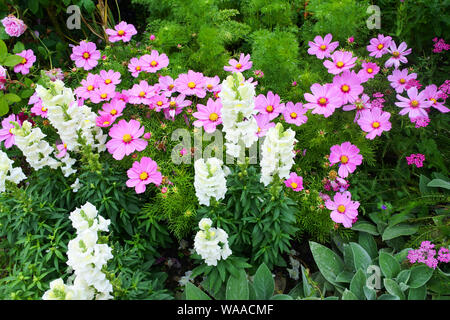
238 110
7 172
209 180
277 153
211 243
36 150
87 258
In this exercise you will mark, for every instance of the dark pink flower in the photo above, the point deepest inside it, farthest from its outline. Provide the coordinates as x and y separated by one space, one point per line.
85 55
122 32
347 155
142 173
125 139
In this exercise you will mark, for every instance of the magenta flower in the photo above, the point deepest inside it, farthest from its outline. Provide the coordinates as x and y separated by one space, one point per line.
113 108
322 48
103 93
159 102
176 105
105 120
212 84
416 159
432 94
167 85
374 121
14 27
37 109
414 105
209 116
6 134
88 86
342 60
62 148
143 173
379 46
85 55
398 55
243 64
154 61
269 105
343 209
444 255
191 83
27 62
400 78
125 139
368 71
122 32
141 93
264 124
324 99
135 67
348 157
295 113
349 85
294 182
359 104
110 77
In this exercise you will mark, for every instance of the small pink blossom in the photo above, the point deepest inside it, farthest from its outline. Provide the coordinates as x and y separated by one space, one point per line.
14 27
135 67
88 86
167 85
343 209
348 157
191 83
374 121
294 182
125 139
294 113
103 93
243 64
154 61
323 100
143 173
269 104
114 108
341 60
121 32
209 116
398 55
28 58
322 47
432 94
105 120
415 105
85 55
399 79
62 148
368 71
110 77
416 159
37 109
264 124
349 85
379 46
6 134
212 84
176 105
141 93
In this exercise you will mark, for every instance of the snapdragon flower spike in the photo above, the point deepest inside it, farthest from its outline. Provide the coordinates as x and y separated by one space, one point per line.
85 55
113 108
349 85
88 86
121 32
209 116
176 105
141 93
294 182
125 139
322 47
348 157
323 100
212 84
103 93
432 94
374 121
191 83
379 46
398 55
154 61
37 108
135 67
6 134
368 71
341 60
294 113
269 105
399 79
415 105
28 58
109 77
167 85
143 173
343 209
243 64
264 124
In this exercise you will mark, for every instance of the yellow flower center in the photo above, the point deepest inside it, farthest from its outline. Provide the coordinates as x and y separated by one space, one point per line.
120 32
376 124
414 103
322 101
213 116
86 55
65 145
127 138
370 70
339 64
24 61
434 100
259 130
104 95
171 86
153 63
141 94
395 54
106 123
293 115
402 81
143 176
209 86
380 46
113 112
344 159
238 66
90 88
345 88
43 109
341 208
191 85
10 131
173 103
108 81
294 185
138 68
159 103
269 108
323 47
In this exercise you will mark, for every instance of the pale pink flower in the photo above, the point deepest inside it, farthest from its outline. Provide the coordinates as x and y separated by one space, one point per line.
88 86
37 109
348 157
141 93
28 58
167 85
379 46
343 209
113 108
368 71
191 83
398 55
349 85
122 32
264 124
359 104
323 100
414 105
6 134
125 139
374 121
294 113
341 60
294 182
135 67
269 104
400 78
85 55
110 77
209 116
243 64
14 27
62 148
432 94
142 173
176 105
103 93
159 102
105 120
154 61
322 48
212 84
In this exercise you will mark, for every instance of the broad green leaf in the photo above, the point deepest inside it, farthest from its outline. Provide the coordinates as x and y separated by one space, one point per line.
237 287
389 266
328 262
403 276
18 47
281 297
357 284
420 276
368 243
194 293
263 283
348 295
3 51
307 289
392 232
345 276
439 183
419 293
369 293
393 288
4 107
297 291
388 297
365 227
360 256
12 60
423 181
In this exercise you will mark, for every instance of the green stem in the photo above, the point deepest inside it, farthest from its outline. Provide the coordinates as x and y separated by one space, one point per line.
48 51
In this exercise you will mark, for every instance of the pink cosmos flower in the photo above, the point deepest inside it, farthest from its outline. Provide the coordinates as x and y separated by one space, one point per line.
159 102
398 55
176 105
400 78
154 61
349 86
6 134
348 157
368 71
379 46
432 94
374 121
167 85
209 116
322 48
135 67
103 93
342 60
142 173
122 32
85 55
113 108
414 105
141 93
212 84
110 77
359 104
125 139
294 182
269 105
62 148
295 113
264 124
14 27
88 86
105 120
37 109
191 83
123 96
27 62
243 64
324 99
344 210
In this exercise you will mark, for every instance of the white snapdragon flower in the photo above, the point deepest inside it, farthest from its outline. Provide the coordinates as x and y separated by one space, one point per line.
209 180
59 291
76 185
211 243
8 173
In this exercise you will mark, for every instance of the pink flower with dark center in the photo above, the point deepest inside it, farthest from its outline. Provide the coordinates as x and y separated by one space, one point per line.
209 116
28 58
88 86
294 182
349 86
348 157
414 105
14 27
85 55
294 113
191 83
143 173
399 79
322 47
154 61
432 94
105 120
122 32
368 71
212 84
110 77
167 85
264 124
113 108
62 148
341 60
37 109
123 96
103 93
323 100
374 121
6 134
269 105
141 93
243 64
135 67
359 104
176 105
379 46
398 55
125 139
343 209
